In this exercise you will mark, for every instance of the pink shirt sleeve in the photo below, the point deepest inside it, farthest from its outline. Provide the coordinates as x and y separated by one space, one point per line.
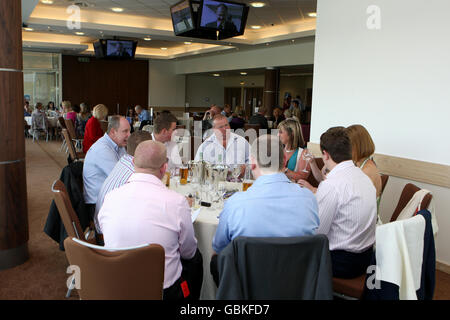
187 240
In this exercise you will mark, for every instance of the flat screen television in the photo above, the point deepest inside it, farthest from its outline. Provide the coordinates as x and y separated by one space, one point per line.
120 49
227 17
182 17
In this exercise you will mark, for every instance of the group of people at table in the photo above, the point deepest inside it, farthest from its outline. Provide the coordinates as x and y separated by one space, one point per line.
130 205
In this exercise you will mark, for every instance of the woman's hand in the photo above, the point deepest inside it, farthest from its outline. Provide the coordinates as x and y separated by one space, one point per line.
306 184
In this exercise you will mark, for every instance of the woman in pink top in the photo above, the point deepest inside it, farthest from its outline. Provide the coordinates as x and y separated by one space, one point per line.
68 112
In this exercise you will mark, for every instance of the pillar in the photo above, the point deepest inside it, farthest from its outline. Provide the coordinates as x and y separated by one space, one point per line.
271 89
13 187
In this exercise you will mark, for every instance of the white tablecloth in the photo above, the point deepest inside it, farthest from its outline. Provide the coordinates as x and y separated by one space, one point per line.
28 120
205 227
52 121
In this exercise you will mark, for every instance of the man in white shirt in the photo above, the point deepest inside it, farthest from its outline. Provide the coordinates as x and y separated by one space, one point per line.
224 146
145 211
347 207
164 126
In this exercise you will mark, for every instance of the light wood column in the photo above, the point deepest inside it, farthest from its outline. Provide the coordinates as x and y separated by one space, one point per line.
13 187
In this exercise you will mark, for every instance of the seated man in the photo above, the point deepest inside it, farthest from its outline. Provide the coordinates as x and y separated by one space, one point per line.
145 211
208 119
143 116
272 207
164 126
260 119
224 146
347 206
122 171
101 158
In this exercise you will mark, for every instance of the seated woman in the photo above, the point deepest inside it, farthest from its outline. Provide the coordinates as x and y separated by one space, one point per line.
277 117
295 153
363 149
93 130
82 119
68 112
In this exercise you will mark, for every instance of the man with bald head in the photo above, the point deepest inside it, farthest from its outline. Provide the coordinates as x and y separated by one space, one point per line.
145 211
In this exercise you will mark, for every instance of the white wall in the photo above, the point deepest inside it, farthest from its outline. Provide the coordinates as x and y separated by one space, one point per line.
302 52
166 89
396 76
395 81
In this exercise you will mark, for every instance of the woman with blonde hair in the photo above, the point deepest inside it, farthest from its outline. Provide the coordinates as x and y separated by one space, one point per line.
296 155
93 130
68 111
363 149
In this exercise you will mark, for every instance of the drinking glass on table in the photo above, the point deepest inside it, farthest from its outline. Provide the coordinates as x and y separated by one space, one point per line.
248 178
236 170
184 173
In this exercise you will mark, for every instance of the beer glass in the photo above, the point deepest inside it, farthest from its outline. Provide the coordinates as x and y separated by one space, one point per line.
248 178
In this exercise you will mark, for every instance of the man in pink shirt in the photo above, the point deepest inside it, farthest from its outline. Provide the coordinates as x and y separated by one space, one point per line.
145 211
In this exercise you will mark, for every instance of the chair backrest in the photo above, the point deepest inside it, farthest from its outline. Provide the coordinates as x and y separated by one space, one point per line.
70 146
312 181
408 192
384 180
294 268
104 125
62 122
70 128
135 273
66 211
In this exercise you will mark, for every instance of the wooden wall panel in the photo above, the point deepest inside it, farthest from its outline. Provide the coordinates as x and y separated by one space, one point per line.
105 81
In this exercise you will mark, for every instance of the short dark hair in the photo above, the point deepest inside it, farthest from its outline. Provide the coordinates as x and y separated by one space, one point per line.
164 121
136 138
337 143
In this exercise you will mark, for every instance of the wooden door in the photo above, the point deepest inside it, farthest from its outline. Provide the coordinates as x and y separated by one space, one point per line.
232 96
253 98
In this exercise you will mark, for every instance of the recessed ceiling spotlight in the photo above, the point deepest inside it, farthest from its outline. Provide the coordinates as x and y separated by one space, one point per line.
187 42
312 14
28 29
47 1
256 27
257 4
244 73
216 74
163 48
79 33
147 38
117 9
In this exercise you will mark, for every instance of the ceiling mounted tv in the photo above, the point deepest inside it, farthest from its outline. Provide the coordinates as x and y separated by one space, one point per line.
120 49
182 17
227 17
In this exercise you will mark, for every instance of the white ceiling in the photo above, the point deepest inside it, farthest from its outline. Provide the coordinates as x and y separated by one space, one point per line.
280 21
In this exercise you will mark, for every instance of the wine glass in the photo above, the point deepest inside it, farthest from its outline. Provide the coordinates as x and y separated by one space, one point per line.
307 156
236 172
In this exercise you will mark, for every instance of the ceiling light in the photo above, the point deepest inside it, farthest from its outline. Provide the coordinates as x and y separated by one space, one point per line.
79 33
163 48
147 38
28 29
244 73
312 14
47 1
256 27
187 42
216 74
117 9
257 4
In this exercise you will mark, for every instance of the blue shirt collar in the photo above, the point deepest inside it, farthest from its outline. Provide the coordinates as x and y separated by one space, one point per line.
111 142
271 178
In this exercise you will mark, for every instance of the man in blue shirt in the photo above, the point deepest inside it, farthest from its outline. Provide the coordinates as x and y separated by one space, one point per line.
272 207
102 157
142 113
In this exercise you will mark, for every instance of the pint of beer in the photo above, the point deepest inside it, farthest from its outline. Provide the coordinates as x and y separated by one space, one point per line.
166 179
184 172
246 184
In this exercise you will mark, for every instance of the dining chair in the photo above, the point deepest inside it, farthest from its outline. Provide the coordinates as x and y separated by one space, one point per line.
73 153
135 273
72 134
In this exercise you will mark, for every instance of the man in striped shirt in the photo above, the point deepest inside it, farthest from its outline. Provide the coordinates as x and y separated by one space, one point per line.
347 207
122 170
